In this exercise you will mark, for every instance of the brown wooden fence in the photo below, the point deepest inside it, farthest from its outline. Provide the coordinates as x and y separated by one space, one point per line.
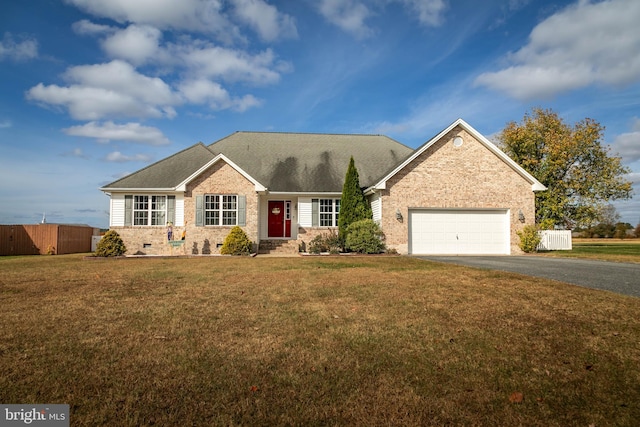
45 238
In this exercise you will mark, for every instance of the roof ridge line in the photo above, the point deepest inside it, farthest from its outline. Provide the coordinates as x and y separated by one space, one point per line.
309 133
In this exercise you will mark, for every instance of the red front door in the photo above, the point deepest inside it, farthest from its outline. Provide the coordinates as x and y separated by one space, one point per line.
279 218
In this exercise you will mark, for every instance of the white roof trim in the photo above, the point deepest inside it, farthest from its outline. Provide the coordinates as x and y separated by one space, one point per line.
535 184
183 185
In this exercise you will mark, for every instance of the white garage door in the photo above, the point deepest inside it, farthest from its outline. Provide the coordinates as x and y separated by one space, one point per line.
458 231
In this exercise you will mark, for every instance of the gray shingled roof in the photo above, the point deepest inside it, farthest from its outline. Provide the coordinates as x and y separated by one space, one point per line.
287 162
304 162
168 172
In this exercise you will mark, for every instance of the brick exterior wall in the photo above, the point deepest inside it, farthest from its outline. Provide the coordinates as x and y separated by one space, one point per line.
445 176
151 240
218 179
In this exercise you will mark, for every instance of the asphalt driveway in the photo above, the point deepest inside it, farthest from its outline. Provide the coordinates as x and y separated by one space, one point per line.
617 277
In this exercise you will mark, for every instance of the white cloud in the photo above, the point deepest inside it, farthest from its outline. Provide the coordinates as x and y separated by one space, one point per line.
192 15
114 89
129 132
634 177
87 103
5 124
349 15
265 19
201 91
18 51
121 77
118 157
86 27
243 104
627 145
587 43
205 91
228 64
429 11
136 44
117 90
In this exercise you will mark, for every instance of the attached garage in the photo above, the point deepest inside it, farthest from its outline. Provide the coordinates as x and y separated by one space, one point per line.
459 231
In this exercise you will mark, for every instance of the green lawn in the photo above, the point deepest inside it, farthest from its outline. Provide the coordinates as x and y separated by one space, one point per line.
604 249
345 340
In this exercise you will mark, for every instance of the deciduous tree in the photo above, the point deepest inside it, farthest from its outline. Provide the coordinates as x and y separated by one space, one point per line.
571 161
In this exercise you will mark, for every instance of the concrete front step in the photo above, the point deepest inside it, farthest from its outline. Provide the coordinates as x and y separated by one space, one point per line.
278 247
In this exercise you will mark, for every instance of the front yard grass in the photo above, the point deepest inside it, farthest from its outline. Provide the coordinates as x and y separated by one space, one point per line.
313 341
617 250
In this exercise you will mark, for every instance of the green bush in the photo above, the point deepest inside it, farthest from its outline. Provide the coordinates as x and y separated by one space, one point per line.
529 238
111 244
325 242
547 224
365 236
236 243
353 203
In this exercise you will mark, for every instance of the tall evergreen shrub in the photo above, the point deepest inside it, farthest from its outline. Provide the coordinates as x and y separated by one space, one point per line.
353 204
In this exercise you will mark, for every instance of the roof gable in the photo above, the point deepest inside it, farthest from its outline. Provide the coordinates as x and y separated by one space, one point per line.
220 157
535 184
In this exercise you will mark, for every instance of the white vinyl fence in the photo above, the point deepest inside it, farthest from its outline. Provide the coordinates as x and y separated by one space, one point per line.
555 240
94 242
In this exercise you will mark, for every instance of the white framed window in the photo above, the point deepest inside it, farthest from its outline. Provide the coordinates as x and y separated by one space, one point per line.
220 209
329 211
149 210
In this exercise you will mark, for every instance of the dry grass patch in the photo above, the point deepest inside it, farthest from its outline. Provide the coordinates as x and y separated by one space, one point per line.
313 341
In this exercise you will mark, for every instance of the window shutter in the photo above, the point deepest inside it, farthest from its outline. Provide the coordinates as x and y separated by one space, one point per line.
315 212
242 210
199 211
171 209
128 210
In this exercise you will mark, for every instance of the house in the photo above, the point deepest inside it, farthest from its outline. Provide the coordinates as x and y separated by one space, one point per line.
456 194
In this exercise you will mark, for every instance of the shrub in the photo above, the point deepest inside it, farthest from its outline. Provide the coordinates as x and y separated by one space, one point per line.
111 244
365 236
529 238
318 245
325 242
236 243
353 203
547 224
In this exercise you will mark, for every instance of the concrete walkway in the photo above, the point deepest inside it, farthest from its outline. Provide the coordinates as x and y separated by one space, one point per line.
622 278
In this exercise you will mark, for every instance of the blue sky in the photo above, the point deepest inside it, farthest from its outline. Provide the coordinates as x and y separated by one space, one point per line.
92 90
